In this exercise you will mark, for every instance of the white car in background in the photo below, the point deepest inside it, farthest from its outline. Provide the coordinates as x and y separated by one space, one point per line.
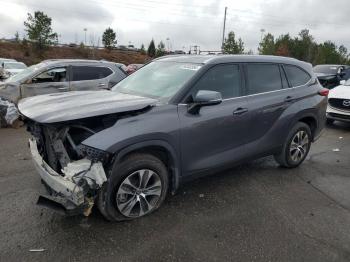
13 67
339 103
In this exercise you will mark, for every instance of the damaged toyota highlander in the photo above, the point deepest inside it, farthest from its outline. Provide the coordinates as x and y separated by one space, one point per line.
176 118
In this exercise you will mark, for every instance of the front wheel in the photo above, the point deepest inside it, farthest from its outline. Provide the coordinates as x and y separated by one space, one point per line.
296 147
135 188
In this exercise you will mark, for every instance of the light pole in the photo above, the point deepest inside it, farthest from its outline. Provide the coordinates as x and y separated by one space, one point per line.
85 29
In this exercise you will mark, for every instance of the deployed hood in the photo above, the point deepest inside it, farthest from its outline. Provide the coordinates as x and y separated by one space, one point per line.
325 76
61 107
340 92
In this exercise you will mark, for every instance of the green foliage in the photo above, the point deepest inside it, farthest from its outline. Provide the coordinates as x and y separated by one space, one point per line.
160 49
151 49
267 45
304 47
232 46
39 31
17 37
142 49
108 38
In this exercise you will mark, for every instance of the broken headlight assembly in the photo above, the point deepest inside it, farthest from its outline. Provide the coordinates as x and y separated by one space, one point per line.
94 154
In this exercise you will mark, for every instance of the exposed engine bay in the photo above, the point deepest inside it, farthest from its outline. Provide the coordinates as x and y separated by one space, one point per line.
82 168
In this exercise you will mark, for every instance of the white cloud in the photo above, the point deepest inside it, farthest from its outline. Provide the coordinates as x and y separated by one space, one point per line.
184 22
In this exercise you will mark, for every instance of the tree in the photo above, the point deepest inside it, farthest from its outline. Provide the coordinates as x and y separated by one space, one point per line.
142 49
231 46
267 45
160 49
17 37
38 28
108 38
151 49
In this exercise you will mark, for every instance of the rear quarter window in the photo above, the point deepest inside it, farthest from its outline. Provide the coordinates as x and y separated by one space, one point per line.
296 76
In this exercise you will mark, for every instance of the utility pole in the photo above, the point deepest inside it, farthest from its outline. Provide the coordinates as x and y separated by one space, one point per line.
85 29
223 31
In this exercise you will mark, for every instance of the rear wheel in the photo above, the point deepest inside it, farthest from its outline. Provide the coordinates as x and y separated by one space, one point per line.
135 188
296 147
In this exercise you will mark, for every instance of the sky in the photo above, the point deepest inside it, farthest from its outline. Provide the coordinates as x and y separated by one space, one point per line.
182 23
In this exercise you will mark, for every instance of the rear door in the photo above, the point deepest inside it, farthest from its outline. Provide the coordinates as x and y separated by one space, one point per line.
215 136
269 96
51 80
88 77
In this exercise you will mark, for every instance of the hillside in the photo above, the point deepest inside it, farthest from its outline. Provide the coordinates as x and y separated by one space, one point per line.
28 55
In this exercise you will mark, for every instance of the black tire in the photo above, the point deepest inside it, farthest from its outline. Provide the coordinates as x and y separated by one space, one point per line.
329 121
107 199
285 159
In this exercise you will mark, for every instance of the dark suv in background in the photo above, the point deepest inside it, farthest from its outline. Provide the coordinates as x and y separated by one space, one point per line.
331 75
62 75
176 118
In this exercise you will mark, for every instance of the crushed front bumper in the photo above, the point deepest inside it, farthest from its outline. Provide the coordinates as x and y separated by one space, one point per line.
64 191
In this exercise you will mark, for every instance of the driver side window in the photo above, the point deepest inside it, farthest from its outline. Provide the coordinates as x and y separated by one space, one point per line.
220 78
52 75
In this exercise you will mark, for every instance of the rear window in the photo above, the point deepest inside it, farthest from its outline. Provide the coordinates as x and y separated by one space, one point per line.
81 73
263 78
296 76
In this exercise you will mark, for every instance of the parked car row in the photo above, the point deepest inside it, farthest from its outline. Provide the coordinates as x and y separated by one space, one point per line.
10 67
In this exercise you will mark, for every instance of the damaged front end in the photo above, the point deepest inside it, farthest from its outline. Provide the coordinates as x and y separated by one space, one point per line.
71 172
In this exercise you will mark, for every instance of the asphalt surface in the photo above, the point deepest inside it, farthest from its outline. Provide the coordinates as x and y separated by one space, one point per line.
254 212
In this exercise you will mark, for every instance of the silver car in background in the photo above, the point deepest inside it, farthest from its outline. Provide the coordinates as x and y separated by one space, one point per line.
61 75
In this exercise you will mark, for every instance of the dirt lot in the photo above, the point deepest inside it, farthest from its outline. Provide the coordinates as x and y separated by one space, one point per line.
254 212
30 56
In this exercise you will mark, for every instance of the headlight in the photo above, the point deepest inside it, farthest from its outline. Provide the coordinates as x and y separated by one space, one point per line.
93 154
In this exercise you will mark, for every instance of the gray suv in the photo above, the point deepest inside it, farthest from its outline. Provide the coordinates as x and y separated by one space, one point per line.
61 75
176 118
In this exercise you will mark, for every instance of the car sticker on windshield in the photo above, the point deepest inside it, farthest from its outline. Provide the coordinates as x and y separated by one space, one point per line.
190 67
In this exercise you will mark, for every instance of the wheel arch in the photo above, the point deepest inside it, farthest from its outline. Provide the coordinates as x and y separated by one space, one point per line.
308 117
162 150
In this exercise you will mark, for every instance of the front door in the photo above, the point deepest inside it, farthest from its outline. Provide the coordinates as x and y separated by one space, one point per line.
215 136
53 80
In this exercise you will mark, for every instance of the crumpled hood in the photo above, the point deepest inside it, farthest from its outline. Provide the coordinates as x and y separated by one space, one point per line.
340 92
67 106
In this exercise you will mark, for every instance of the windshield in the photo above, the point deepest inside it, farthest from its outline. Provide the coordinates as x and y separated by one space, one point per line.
326 69
14 66
23 74
157 79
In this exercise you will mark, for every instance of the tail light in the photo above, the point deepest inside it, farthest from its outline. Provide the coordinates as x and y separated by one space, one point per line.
323 92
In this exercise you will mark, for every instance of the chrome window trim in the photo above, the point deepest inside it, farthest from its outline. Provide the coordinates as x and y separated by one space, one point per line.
283 89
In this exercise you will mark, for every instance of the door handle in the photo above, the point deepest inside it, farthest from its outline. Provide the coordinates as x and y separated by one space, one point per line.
240 111
101 84
289 99
63 88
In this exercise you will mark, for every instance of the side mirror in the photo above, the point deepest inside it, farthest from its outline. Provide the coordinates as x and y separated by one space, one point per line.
342 82
204 98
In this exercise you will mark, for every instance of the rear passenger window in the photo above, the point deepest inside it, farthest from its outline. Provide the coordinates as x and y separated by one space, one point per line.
296 76
221 78
81 73
263 78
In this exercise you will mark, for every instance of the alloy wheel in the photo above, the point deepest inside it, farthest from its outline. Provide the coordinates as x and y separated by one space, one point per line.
299 146
139 193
